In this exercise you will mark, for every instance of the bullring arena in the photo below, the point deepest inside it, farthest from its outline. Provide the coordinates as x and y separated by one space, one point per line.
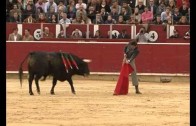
161 104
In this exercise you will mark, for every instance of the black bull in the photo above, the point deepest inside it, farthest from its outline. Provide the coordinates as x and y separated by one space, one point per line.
61 66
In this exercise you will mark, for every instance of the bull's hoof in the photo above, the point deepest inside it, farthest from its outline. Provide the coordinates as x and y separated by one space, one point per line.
74 92
31 93
39 93
52 93
138 92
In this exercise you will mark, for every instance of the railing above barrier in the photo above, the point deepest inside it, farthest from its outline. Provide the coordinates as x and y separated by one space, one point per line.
87 32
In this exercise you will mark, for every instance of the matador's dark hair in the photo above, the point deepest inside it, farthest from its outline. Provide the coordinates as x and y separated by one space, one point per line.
133 42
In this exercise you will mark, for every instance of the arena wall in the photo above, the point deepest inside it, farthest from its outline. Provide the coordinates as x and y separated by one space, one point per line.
158 58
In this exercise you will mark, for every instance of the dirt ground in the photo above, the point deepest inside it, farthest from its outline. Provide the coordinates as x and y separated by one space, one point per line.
161 104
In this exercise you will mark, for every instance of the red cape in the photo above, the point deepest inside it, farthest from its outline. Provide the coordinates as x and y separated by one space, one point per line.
122 85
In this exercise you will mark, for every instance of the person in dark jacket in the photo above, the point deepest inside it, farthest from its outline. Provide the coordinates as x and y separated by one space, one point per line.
123 35
130 53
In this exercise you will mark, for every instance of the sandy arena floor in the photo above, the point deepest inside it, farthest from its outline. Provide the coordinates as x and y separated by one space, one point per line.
161 104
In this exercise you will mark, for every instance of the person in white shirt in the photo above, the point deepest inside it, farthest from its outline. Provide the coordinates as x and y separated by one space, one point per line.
49 4
64 19
15 36
79 4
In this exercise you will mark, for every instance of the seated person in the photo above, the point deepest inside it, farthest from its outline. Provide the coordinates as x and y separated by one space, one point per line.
27 36
61 34
123 35
158 20
76 34
175 34
97 34
47 33
14 36
29 19
187 35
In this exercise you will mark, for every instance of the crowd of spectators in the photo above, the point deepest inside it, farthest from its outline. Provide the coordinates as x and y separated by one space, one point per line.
99 11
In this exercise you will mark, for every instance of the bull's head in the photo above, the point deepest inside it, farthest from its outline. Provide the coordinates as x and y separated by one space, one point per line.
83 67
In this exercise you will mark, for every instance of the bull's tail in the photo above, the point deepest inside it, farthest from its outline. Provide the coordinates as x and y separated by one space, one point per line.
21 71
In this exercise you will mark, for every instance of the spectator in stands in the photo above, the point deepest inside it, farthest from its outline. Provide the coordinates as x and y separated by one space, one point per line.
175 34
127 8
29 19
183 21
110 20
131 20
152 7
47 33
91 13
81 13
104 5
123 35
15 36
125 14
137 16
42 18
145 3
147 16
64 19
176 15
141 37
31 3
140 6
187 35
161 8
114 14
49 4
76 34
184 8
81 5
38 11
98 19
188 16
158 20
120 20
132 4
172 5
179 3
61 6
9 6
41 4
97 35
94 4
15 9
19 3
78 20
28 11
71 10
27 36
166 15
116 6
103 14
15 18
53 19
61 34
50 13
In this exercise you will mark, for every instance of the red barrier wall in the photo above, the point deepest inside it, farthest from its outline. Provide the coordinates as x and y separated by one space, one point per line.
107 57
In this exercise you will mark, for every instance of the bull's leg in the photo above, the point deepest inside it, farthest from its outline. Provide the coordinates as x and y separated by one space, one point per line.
54 81
37 83
31 77
71 84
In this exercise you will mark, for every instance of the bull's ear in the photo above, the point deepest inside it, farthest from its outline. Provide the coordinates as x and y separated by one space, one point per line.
87 60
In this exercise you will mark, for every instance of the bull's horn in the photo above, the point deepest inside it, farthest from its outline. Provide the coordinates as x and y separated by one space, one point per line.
87 60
